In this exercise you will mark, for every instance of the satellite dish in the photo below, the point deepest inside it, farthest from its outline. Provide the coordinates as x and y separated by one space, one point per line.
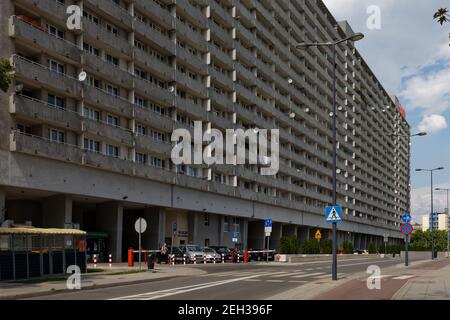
171 89
292 115
82 76
18 87
290 81
306 110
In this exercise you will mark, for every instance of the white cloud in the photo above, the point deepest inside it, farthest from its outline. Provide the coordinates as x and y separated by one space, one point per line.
432 124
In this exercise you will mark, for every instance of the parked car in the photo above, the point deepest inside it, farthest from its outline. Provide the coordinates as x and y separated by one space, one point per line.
223 250
191 251
261 255
211 255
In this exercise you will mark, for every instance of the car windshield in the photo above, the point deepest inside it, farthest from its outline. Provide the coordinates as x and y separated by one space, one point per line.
194 248
208 250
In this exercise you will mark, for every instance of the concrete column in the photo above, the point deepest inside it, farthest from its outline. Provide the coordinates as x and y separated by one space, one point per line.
57 211
110 221
276 235
193 227
154 237
256 235
2 206
245 233
221 233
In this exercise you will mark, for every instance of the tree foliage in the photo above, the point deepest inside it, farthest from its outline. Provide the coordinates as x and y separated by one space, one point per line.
6 70
421 240
442 16
289 245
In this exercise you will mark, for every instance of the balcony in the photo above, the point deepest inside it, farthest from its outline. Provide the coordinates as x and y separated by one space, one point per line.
196 14
163 42
153 173
114 134
195 110
161 15
195 38
157 66
220 12
245 35
245 13
41 147
25 32
154 92
153 119
245 93
191 84
225 58
223 79
109 71
99 33
222 100
108 163
114 11
40 75
245 55
221 34
151 145
194 61
246 74
107 101
38 110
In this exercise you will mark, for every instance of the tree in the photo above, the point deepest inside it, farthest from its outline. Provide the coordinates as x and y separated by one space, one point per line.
421 240
442 16
372 248
6 70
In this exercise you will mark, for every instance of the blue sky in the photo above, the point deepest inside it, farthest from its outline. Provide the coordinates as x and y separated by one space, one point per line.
410 55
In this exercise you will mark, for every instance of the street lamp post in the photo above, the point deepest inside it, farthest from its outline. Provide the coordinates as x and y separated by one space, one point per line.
420 134
432 209
448 221
355 37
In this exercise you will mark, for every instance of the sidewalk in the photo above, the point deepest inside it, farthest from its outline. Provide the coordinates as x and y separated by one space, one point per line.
117 275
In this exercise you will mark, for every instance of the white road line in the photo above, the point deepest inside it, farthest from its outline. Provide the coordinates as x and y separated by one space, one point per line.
274 280
328 275
308 275
404 277
287 274
180 290
252 280
309 269
297 281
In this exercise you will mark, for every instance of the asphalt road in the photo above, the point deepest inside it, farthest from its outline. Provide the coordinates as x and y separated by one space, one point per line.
253 281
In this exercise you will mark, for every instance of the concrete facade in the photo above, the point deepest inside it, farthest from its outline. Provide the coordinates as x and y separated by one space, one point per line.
97 152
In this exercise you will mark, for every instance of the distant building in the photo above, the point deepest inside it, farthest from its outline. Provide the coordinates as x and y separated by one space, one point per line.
417 227
440 222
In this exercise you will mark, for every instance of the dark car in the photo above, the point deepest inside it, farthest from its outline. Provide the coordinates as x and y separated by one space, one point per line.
261 255
223 250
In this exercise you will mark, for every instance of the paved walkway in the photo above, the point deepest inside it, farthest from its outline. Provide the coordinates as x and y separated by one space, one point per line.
117 275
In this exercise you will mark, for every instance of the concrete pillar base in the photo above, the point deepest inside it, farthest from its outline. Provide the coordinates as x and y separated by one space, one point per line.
111 216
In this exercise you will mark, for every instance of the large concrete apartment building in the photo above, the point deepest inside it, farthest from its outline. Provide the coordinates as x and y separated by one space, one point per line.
96 153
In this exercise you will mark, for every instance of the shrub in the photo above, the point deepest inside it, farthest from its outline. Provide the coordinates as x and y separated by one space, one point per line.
310 246
327 246
348 247
372 248
289 245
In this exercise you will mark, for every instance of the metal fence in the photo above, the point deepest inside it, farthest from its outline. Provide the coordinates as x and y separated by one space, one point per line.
26 255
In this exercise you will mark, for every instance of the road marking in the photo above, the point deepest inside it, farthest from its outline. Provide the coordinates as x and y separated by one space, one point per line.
309 269
252 280
275 280
175 291
297 281
328 275
286 274
308 275
404 277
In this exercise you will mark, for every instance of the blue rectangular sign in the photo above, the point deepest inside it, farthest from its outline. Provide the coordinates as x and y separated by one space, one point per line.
268 223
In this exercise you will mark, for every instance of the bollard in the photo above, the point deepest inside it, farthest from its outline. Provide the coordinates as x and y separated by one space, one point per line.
195 260
130 257
95 260
204 259
110 260
214 259
246 256
223 258
184 259
238 258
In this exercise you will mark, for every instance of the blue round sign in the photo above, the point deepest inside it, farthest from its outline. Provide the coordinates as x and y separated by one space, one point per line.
406 218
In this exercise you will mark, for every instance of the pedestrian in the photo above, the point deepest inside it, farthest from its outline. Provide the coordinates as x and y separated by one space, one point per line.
234 255
164 253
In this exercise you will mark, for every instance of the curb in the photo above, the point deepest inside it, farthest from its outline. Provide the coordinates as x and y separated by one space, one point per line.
90 287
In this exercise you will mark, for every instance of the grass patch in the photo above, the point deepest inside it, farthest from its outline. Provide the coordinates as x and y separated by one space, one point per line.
95 270
126 272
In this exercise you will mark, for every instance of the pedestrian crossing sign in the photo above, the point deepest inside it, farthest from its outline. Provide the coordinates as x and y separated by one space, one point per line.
333 214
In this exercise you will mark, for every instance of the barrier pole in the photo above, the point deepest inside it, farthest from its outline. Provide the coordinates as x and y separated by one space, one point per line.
223 258
130 257
110 260
184 259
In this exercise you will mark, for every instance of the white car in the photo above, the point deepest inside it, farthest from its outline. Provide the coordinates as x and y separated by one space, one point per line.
211 254
193 251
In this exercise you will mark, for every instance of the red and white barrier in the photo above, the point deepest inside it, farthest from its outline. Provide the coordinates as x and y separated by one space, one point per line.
110 260
195 260
95 260
238 258
214 259
184 259
204 259
223 258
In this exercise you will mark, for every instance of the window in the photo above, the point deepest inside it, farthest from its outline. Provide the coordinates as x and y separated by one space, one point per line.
94 82
141 102
236 224
55 102
112 120
141 130
90 49
112 151
112 90
54 31
206 219
226 224
91 17
24 129
112 29
92 145
157 162
140 73
158 136
56 135
92 114
56 67
141 158
112 60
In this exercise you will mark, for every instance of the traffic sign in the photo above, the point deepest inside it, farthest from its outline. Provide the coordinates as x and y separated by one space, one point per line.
174 226
334 214
235 237
268 227
449 237
140 225
318 235
386 238
406 218
406 229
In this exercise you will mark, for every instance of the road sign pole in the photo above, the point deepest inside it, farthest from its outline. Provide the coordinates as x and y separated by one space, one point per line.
406 252
334 267
268 248
140 241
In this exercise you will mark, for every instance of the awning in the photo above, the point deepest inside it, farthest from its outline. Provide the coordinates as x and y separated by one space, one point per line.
37 231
